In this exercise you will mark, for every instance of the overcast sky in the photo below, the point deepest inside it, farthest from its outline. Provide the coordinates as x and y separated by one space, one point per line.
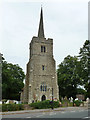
66 21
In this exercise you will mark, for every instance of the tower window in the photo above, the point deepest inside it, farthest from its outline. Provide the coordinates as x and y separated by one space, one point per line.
43 88
43 49
42 67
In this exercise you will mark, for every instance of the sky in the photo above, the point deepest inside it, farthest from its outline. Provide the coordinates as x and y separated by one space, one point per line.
66 21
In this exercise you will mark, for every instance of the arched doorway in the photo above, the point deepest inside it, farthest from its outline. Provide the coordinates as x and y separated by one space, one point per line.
43 98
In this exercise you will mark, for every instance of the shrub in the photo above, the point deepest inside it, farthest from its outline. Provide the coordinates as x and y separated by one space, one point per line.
12 107
4 107
65 103
78 102
44 104
70 104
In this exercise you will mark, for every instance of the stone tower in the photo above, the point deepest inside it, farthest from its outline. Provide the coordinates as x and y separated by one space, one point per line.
41 77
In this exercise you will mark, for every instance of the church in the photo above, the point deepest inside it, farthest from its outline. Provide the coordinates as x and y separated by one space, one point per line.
41 77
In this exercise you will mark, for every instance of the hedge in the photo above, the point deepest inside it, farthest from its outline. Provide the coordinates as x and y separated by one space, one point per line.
45 104
78 102
12 107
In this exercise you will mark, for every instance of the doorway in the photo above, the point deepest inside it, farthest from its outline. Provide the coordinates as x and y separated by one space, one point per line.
43 98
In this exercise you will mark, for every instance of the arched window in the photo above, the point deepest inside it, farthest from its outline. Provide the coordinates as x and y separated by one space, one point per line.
42 67
45 88
43 49
41 88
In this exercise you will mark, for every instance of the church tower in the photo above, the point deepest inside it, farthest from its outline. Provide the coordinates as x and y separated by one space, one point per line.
41 76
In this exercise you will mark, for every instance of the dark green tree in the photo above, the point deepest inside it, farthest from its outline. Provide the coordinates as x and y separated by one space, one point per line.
68 77
12 81
81 91
84 57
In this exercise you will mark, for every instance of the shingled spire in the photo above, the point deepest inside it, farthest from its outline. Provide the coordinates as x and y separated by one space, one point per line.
41 26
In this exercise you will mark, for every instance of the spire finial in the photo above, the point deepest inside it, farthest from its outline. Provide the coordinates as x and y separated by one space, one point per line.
41 28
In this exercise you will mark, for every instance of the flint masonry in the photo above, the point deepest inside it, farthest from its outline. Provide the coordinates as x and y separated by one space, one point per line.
41 74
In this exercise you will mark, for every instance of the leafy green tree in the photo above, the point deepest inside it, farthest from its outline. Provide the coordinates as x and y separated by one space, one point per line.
68 77
81 91
84 57
12 80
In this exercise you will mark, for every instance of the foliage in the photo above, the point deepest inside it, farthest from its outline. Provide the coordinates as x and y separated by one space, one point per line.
12 80
12 107
84 56
66 103
68 77
45 104
75 71
81 91
78 102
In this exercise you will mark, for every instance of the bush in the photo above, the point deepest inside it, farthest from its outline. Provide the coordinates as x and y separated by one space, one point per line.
44 104
11 107
65 103
78 102
70 104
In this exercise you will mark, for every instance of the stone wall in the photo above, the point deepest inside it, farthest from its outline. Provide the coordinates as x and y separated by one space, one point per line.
37 75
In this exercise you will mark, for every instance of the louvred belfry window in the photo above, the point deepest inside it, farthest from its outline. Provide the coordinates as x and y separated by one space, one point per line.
43 49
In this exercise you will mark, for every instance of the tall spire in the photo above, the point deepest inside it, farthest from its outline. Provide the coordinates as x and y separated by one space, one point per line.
41 26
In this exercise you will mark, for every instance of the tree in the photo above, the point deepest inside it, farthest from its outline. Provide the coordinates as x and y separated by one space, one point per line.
81 91
84 57
12 80
68 77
